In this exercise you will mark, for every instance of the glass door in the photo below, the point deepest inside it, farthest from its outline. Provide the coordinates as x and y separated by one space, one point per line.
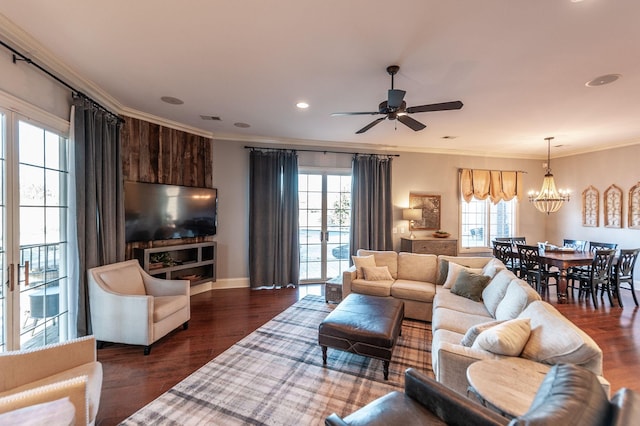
34 217
324 223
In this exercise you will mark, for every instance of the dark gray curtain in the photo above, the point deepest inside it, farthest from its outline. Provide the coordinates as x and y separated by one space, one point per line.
99 196
274 253
371 206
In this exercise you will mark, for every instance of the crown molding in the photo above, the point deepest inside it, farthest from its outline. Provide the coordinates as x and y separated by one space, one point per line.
130 112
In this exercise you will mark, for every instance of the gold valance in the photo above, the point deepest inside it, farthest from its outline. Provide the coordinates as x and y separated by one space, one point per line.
495 184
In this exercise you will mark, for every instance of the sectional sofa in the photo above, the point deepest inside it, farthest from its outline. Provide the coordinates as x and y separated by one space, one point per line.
465 298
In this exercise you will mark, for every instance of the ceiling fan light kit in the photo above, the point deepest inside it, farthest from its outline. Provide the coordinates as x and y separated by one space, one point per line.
395 108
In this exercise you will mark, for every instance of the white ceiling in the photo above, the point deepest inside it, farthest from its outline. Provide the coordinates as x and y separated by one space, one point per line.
520 67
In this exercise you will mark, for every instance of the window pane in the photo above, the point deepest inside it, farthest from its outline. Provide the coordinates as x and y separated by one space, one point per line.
482 221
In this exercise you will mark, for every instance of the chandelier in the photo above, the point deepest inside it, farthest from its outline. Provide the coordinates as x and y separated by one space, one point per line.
548 199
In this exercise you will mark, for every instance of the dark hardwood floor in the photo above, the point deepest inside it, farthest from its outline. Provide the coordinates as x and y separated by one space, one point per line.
220 318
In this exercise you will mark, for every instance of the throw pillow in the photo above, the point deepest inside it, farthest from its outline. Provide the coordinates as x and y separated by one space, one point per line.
376 273
454 271
508 338
494 292
473 332
443 271
470 285
493 267
362 261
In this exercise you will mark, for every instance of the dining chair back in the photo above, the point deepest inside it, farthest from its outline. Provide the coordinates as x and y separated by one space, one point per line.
624 272
504 252
519 240
503 239
579 245
599 276
533 270
593 246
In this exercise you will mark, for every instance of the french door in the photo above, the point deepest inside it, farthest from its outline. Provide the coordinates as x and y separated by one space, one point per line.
324 224
33 251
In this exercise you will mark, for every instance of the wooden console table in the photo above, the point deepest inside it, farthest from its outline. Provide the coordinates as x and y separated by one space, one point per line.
430 245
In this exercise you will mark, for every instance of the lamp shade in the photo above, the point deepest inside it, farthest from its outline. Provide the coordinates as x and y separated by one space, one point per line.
412 214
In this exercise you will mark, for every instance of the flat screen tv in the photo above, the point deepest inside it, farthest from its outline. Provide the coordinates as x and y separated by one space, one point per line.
160 212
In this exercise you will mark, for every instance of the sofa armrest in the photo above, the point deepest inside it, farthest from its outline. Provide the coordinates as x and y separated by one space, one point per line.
75 389
334 420
448 405
348 276
18 368
452 363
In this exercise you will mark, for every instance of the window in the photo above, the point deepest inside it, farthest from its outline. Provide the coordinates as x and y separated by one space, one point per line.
481 221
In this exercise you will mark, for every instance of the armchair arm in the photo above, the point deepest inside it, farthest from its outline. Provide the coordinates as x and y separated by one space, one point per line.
161 287
18 368
334 420
448 405
74 389
347 277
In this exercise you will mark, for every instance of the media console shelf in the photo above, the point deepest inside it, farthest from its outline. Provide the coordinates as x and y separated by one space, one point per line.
194 262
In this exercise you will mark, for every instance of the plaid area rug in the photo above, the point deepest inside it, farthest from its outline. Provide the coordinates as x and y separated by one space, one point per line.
275 376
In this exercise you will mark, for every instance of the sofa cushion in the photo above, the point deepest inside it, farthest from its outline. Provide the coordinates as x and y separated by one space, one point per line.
518 296
470 285
460 322
569 394
413 290
376 273
445 299
372 288
360 262
507 338
556 340
494 292
383 258
163 306
493 267
454 271
417 267
474 331
125 280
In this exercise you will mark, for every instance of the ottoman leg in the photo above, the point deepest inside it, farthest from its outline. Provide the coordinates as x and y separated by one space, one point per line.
324 355
385 369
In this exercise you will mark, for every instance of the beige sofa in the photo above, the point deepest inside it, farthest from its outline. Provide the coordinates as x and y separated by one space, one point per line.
31 379
424 283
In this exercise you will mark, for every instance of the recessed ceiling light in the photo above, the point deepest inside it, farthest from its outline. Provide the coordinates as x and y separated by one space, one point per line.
171 100
242 125
602 80
302 105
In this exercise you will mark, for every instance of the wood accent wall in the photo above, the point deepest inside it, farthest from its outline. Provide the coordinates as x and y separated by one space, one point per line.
156 154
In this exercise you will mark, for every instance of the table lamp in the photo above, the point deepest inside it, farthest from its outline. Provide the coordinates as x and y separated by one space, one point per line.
412 215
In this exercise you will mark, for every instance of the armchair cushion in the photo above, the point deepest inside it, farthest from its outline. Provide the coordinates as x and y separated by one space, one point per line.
164 306
125 280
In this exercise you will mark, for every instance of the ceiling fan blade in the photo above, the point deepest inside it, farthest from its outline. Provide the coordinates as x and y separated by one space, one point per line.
370 125
444 106
410 122
334 114
395 98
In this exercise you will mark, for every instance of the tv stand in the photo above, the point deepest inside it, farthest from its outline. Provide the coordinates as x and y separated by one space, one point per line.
195 262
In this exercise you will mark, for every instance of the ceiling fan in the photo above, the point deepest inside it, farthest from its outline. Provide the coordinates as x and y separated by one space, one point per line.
396 108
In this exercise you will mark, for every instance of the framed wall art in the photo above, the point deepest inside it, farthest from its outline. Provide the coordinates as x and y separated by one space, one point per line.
634 207
430 206
590 206
613 207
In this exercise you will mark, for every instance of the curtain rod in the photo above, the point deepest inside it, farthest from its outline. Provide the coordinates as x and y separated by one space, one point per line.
17 56
324 151
491 170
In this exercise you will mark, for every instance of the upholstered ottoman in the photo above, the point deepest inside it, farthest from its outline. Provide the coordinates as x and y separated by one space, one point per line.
364 325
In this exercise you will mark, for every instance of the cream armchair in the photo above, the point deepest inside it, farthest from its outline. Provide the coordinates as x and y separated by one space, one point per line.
132 307
32 380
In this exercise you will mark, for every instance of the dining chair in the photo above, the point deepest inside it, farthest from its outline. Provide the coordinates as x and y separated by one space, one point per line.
533 270
579 245
518 240
578 273
503 251
599 276
503 239
623 272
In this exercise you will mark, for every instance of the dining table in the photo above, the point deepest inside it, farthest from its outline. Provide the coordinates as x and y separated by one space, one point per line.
563 260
